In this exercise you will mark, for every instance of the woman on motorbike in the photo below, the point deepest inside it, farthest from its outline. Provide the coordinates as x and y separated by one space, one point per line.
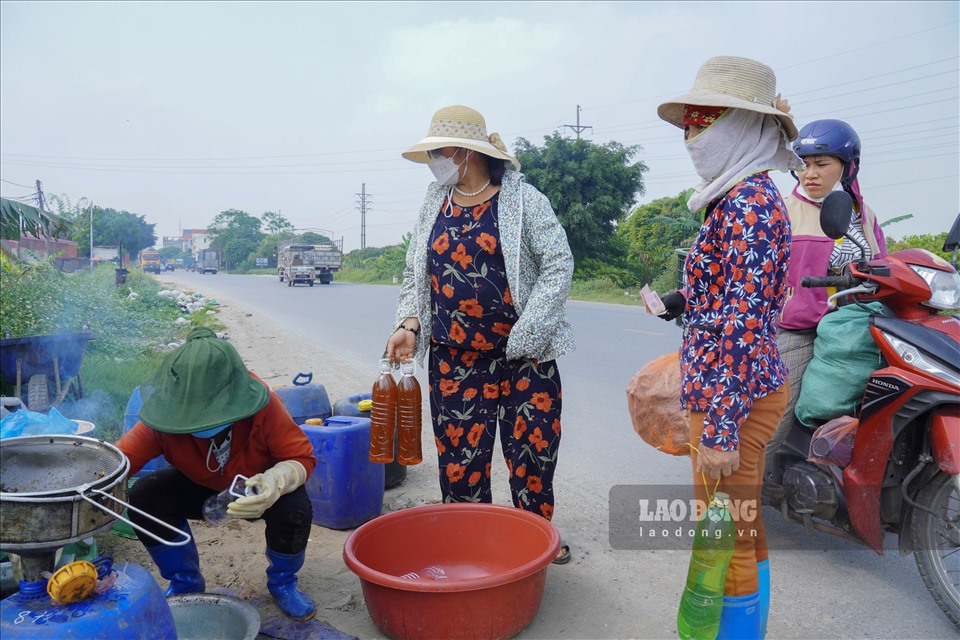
830 150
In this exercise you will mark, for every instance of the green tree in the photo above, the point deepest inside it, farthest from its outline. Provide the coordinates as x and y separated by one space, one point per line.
654 231
274 223
590 186
129 231
928 241
171 253
309 237
236 234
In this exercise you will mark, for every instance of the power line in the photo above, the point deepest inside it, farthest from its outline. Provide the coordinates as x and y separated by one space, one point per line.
912 95
882 86
899 184
176 171
298 155
885 42
16 184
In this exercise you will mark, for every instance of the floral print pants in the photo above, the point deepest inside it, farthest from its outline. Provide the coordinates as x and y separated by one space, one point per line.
471 396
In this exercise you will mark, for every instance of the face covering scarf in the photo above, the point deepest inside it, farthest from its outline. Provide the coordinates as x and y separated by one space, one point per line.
738 144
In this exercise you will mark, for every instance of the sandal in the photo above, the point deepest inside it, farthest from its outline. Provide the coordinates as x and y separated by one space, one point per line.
565 555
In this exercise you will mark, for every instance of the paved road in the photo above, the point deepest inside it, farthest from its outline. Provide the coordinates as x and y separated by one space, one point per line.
823 587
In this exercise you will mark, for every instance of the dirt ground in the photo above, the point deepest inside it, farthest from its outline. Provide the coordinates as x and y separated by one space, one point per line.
232 556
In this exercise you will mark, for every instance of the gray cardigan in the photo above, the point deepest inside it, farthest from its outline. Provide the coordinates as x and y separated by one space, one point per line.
539 270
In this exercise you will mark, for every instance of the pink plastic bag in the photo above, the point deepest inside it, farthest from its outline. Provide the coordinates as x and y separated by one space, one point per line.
832 443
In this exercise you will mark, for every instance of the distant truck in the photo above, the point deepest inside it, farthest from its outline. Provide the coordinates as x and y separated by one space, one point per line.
208 261
308 263
150 261
295 265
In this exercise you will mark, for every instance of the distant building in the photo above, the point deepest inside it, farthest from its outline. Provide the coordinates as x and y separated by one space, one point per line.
196 240
173 241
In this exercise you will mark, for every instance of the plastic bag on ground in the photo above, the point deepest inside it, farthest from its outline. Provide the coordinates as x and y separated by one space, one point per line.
31 423
653 398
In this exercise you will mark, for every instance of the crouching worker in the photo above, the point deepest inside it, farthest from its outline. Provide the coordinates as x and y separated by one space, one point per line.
212 419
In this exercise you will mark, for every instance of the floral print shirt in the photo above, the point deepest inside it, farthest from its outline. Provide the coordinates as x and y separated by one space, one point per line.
736 279
539 268
471 303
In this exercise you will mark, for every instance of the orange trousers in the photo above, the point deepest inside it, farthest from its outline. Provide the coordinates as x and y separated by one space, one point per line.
744 487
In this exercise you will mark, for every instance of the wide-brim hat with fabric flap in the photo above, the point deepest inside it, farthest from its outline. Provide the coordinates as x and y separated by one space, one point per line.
459 126
729 81
202 384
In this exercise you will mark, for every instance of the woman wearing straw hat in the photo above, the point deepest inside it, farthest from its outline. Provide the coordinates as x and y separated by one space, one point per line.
213 419
736 129
487 275
830 150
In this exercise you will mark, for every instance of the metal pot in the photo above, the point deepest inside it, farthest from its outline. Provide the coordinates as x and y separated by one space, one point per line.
54 491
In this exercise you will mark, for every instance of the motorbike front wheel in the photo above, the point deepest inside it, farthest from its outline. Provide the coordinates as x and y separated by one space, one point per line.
936 542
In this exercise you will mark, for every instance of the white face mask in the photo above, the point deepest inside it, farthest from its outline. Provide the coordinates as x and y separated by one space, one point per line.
446 170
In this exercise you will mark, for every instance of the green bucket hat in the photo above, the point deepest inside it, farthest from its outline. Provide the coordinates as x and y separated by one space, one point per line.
202 384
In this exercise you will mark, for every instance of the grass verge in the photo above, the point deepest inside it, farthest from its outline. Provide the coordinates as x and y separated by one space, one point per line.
134 329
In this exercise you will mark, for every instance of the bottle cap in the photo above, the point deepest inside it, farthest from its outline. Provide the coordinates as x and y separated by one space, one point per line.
408 368
72 582
365 405
721 499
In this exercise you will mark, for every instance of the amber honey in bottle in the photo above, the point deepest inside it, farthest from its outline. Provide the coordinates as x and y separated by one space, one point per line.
383 415
409 417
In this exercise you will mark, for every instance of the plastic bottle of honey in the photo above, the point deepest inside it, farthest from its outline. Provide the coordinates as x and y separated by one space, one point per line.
383 415
409 418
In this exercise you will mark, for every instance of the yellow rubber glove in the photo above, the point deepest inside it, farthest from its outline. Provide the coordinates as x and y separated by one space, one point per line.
278 480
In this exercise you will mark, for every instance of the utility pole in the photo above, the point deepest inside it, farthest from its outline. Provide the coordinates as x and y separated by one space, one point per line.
41 202
42 205
578 127
91 235
363 207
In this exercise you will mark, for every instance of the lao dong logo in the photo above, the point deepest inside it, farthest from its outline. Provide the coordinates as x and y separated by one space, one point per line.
663 518
686 514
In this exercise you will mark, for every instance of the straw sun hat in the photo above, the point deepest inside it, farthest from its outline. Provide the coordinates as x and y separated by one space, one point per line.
459 126
728 81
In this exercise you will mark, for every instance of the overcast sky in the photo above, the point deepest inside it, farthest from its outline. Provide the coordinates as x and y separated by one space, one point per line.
180 110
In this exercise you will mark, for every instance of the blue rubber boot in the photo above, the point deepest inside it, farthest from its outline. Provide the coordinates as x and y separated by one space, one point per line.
763 574
740 618
282 583
180 565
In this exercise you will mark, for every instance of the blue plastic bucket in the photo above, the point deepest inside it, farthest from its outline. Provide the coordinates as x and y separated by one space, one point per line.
305 400
345 489
393 472
131 416
133 609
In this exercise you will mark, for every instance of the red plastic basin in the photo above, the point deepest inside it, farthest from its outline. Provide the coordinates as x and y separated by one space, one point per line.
453 570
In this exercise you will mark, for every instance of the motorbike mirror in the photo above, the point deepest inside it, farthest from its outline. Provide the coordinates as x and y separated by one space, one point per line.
835 213
952 243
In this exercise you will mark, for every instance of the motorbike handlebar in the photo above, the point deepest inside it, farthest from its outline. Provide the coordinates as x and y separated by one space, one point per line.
840 282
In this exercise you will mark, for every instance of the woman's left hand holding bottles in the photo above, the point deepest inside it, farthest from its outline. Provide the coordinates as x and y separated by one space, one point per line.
403 342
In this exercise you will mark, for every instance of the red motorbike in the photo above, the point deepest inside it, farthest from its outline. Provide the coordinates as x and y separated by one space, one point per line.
904 472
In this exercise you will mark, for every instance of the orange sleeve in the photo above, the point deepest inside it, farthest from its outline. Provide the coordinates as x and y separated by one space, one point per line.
285 439
141 445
